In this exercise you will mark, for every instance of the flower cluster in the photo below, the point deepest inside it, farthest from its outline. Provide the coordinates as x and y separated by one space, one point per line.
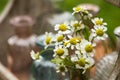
74 42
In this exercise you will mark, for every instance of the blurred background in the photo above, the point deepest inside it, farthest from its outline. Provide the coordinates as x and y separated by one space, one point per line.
45 12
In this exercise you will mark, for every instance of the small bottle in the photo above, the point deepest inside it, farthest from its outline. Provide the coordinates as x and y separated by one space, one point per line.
21 43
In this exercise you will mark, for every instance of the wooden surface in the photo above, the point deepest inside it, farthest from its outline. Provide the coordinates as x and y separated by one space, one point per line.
5 74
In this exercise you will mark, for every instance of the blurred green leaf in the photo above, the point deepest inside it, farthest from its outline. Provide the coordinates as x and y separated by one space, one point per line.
68 62
57 60
86 32
2 4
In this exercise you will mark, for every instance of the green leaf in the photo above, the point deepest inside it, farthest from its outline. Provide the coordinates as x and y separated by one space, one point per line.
3 4
68 62
57 60
86 33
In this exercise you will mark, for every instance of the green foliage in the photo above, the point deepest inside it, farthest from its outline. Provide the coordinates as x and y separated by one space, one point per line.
57 60
86 33
2 4
109 12
66 61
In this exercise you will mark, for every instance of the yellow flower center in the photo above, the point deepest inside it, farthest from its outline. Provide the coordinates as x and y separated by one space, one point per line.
48 39
63 27
99 32
65 43
99 22
36 56
62 68
77 9
88 48
76 25
60 38
78 39
82 62
60 52
73 41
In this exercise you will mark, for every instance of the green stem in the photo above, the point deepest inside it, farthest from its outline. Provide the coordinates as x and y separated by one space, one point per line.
49 49
75 74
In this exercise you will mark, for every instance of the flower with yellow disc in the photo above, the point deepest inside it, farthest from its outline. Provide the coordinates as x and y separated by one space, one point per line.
48 39
36 56
73 42
60 51
78 9
98 21
62 28
77 26
87 48
99 32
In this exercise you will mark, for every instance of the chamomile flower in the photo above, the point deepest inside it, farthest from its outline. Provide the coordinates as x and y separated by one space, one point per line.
98 21
62 28
79 9
83 12
62 69
60 51
77 25
48 39
73 41
87 48
81 64
35 56
99 32
84 63
59 39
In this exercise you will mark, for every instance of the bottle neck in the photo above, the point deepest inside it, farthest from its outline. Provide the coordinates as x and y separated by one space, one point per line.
23 32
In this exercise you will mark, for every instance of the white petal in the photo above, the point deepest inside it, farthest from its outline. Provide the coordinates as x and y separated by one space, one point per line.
74 58
92 30
56 27
105 29
72 47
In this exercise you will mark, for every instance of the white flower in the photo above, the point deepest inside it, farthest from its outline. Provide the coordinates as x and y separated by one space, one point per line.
60 51
81 63
77 25
99 32
62 28
85 63
86 48
35 56
59 39
98 21
62 69
48 39
82 10
79 9
73 42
